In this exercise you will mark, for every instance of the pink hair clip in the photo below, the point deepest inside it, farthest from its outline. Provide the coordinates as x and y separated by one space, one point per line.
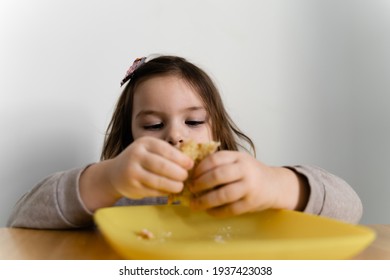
129 74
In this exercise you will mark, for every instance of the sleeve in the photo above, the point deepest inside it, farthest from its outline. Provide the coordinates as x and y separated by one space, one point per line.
54 203
330 196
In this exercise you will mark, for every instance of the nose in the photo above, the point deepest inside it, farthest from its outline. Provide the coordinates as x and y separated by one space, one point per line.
175 136
175 143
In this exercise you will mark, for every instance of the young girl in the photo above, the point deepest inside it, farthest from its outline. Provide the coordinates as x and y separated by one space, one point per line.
165 101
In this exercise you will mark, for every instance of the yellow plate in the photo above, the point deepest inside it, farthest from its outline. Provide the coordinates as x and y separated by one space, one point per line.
180 233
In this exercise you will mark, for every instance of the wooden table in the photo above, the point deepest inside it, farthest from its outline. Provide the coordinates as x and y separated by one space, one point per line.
27 244
30 244
380 248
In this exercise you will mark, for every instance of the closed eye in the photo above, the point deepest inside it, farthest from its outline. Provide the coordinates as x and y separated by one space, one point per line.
154 126
195 123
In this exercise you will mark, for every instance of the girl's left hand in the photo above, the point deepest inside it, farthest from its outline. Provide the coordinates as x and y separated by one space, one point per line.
231 183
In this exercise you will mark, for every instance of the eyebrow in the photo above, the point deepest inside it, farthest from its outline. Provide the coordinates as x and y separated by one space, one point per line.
153 112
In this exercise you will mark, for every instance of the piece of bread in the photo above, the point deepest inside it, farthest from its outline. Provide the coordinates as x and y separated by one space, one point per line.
196 151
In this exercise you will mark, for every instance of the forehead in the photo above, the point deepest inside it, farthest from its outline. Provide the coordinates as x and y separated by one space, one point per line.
165 90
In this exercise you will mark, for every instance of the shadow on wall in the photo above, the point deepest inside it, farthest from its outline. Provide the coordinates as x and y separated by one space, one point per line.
336 69
352 59
33 153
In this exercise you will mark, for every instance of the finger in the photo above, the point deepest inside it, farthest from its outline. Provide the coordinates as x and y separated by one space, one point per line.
221 175
169 152
159 165
215 160
160 183
218 197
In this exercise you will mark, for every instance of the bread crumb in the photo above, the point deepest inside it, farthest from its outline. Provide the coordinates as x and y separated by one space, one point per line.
145 234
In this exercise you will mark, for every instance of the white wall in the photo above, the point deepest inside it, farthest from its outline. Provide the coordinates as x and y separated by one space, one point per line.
307 80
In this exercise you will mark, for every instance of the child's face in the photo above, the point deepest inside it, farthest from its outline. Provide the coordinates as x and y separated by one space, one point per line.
168 108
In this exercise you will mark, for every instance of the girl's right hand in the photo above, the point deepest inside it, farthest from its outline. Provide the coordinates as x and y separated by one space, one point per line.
149 167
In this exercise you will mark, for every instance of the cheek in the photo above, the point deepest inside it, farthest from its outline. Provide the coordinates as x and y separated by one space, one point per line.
138 132
141 133
203 136
135 132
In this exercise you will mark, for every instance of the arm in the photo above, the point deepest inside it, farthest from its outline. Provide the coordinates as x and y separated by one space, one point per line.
149 168
52 203
330 195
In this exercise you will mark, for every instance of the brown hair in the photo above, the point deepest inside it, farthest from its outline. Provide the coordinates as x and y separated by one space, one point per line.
119 132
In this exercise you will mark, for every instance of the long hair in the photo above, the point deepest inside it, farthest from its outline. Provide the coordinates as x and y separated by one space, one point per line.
119 132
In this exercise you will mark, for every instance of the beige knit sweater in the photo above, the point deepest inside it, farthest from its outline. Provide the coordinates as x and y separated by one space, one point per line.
54 203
